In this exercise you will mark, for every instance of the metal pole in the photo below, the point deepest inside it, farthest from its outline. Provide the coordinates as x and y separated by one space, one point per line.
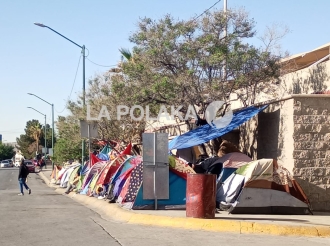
155 167
83 52
89 143
84 101
53 128
45 138
225 33
225 10
53 136
225 5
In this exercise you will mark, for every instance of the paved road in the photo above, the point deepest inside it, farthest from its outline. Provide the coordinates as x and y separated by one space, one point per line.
46 218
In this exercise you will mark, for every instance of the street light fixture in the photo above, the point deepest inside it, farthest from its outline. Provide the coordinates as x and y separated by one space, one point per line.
52 125
45 131
84 94
83 52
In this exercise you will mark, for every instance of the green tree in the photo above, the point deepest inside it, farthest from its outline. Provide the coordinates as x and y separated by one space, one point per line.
26 142
68 144
35 132
49 136
6 151
193 62
182 62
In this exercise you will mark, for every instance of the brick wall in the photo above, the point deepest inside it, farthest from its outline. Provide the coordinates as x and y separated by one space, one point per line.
311 117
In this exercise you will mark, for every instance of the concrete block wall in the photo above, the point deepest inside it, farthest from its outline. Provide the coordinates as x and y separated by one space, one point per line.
296 131
270 134
311 117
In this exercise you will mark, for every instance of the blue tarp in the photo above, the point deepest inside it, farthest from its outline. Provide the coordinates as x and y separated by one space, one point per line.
103 157
106 150
177 194
104 154
226 172
206 132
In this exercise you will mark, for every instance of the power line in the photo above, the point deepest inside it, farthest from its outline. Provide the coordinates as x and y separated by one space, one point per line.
206 10
74 81
99 64
86 57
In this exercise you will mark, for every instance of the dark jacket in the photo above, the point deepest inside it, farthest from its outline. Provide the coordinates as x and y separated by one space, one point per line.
23 172
211 165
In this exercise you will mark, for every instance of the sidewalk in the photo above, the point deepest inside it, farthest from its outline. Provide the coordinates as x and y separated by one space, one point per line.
290 225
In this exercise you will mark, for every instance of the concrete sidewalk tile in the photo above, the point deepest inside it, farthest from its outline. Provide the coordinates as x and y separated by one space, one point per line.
117 213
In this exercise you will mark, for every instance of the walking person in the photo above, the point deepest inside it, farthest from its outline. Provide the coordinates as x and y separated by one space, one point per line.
22 177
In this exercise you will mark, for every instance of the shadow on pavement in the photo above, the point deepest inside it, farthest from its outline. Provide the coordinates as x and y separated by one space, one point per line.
272 219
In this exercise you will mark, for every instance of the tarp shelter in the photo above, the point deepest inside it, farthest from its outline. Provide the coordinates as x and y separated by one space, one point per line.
94 159
54 174
106 150
133 199
96 168
180 167
88 164
207 132
104 154
127 150
60 175
109 171
263 187
74 172
191 154
231 162
129 163
235 160
123 172
66 176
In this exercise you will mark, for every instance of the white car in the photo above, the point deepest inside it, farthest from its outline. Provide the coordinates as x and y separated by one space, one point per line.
17 163
5 163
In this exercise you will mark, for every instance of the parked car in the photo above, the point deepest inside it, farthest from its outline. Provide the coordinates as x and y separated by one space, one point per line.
30 166
5 163
11 164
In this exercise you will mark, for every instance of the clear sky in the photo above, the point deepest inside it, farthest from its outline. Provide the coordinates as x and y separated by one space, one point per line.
36 60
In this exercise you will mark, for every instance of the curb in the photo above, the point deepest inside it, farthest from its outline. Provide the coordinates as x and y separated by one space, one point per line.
114 212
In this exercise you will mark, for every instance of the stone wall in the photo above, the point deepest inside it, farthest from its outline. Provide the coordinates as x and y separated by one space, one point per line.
311 154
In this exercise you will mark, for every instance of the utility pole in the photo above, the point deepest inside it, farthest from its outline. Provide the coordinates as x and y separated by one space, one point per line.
225 11
83 48
225 38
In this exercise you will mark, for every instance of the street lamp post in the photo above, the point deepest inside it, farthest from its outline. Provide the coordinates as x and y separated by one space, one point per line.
45 131
52 125
83 53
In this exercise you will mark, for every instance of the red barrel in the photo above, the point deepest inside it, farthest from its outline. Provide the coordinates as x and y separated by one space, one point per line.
201 196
